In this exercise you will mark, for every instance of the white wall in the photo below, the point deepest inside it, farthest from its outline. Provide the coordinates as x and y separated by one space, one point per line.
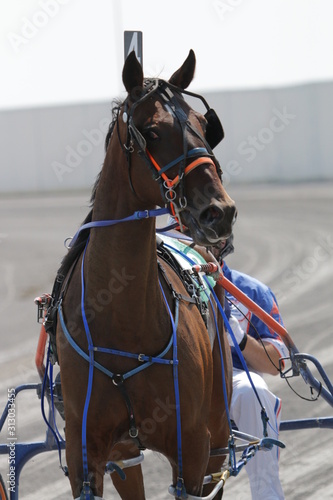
52 148
280 134
277 134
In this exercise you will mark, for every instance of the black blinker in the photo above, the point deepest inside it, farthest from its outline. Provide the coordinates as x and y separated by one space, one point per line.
214 130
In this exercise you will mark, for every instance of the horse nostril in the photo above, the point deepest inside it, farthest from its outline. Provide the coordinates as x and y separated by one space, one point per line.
211 215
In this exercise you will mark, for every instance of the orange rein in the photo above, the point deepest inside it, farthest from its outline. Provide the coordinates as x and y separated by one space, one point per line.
266 318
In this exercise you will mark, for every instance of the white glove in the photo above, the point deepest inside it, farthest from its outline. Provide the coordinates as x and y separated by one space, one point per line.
240 336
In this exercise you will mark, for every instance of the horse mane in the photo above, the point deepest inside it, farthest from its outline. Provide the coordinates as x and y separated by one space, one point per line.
78 247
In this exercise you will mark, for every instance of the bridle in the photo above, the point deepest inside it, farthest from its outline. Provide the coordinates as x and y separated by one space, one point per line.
190 159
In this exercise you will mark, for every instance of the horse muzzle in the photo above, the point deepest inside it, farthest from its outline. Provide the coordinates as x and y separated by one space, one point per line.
210 224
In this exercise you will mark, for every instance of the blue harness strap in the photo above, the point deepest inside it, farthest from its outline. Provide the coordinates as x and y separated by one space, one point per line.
180 488
192 262
90 376
48 381
139 215
92 363
191 152
139 357
146 360
264 416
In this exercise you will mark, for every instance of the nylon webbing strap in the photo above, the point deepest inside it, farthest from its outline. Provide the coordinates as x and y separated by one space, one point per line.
141 214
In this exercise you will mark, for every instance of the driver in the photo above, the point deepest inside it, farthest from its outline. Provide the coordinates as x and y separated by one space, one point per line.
261 348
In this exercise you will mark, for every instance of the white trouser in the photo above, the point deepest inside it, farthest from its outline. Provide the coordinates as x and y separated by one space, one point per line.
263 468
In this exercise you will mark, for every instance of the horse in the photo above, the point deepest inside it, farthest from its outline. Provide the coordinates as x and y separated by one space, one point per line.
115 295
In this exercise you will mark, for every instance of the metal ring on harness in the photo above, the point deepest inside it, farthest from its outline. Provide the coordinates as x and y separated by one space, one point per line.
117 379
130 148
67 242
133 432
182 204
170 193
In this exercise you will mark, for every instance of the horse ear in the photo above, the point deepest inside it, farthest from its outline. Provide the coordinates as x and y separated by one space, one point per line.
132 73
184 75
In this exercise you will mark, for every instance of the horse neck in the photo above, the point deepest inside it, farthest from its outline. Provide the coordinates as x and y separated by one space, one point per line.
121 261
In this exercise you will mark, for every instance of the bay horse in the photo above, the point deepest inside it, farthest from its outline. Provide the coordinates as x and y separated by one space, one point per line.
114 296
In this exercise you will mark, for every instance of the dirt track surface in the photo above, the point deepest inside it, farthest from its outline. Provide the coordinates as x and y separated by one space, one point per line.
283 236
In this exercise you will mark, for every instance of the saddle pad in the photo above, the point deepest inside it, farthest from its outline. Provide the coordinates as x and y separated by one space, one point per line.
180 251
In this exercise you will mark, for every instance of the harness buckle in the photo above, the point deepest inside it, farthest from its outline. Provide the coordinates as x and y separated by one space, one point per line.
133 432
129 149
180 487
43 303
183 202
117 379
141 358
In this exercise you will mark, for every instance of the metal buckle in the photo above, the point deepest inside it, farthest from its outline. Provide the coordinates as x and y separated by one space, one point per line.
182 202
42 302
117 379
170 193
133 432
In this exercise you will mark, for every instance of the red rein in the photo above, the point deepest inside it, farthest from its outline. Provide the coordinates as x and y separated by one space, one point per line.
210 267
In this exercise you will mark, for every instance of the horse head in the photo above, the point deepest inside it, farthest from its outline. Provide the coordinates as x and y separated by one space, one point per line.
175 142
